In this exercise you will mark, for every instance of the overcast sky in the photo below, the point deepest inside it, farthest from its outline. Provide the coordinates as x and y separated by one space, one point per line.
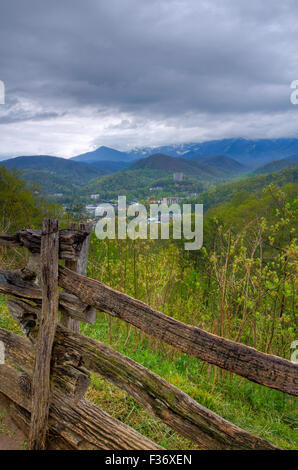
126 73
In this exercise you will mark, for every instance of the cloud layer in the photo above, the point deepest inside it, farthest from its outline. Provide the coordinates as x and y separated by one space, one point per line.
134 73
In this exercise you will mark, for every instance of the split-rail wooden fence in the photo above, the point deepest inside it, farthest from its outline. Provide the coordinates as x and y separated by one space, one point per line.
46 375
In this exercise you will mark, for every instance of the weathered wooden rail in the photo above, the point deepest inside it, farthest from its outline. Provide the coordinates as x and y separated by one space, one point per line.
47 375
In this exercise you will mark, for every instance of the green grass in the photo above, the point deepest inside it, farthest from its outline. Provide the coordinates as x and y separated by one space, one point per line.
6 320
3 428
266 413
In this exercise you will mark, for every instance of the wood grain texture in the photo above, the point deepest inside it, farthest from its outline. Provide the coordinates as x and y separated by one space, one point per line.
83 425
66 319
20 283
174 407
21 418
70 242
266 369
67 376
49 258
80 266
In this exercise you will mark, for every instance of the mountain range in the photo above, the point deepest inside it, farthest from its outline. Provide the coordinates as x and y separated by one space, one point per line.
57 175
277 165
251 153
94 171
212 166
102 154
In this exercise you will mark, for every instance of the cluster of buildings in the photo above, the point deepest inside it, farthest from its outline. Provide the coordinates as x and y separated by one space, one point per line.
167 200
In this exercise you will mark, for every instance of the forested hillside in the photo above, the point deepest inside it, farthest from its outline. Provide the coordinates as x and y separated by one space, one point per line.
225 192
277 165
153 176
144 183
241 285
60 175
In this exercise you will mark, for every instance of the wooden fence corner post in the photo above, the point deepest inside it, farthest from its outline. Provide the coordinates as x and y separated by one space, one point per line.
49 258
79 266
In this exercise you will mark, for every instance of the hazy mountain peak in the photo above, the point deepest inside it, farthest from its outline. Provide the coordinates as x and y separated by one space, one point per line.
102 154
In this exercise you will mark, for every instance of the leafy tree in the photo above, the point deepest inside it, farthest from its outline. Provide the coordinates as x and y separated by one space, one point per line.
22 206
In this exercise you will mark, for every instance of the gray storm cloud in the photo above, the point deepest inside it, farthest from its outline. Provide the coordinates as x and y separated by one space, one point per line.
133 72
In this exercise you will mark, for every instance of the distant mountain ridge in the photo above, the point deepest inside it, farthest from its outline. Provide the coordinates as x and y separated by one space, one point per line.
159 161
55 174
226 192
215 165
212 162
150 176
102 154
277 165
224 163
250 152
42 162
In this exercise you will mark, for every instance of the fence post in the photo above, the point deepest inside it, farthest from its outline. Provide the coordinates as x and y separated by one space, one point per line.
79 266
82 265
66 319
49 257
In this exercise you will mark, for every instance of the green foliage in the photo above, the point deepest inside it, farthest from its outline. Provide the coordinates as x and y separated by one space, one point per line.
240 188
147 183
213 167
241 285
20 206
276 165
53 174
130 183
